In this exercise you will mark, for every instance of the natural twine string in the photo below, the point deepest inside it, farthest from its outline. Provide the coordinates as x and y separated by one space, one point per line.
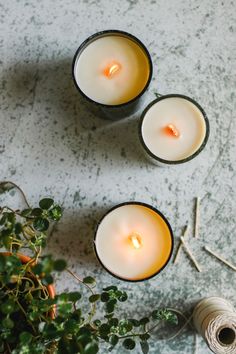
215 319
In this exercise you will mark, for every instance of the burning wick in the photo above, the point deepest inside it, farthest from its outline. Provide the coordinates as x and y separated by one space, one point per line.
111 70
172 130
136 240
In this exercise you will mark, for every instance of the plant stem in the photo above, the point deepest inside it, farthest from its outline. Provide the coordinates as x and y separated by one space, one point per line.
17 187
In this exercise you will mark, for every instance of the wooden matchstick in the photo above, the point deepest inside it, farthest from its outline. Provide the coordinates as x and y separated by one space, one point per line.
185 234
220 258
189 252
197 215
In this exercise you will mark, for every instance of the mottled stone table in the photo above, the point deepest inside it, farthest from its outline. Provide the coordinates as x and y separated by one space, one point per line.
51 145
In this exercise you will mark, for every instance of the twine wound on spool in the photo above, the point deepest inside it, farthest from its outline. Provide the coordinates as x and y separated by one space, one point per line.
215 319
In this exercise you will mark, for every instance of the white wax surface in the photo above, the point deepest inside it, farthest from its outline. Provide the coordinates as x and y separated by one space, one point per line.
116 251
185 116
125 84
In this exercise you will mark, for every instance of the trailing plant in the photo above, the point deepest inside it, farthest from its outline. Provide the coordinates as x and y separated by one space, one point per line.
32 321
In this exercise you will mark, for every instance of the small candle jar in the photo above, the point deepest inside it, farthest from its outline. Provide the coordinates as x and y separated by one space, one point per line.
173 129
133 241
112 70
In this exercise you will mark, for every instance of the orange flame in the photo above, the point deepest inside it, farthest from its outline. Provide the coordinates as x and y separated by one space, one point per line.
135 240
111 70
172 130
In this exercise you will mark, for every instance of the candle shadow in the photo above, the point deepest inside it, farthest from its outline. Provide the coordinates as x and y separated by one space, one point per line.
45 88
48 85
72 238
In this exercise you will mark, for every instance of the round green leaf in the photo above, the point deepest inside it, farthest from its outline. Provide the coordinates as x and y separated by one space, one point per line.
8 323
110 305
104 330
37 212
97 323
144 336
134 322
105 297
59 265
94 298
89 280
144 321
111 287
41 224
25 337
46 203
91 348
114 339
48 279
8 307
129 344
18 228
123 297
26 212
74 296
55 213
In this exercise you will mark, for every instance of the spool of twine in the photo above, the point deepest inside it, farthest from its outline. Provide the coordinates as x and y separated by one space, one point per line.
215 319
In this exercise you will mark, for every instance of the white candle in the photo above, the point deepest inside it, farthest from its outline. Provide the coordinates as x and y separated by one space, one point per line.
133 241
174 128
112 69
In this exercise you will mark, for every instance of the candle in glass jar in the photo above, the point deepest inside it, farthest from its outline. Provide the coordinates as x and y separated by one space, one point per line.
112 68
134 241
173 129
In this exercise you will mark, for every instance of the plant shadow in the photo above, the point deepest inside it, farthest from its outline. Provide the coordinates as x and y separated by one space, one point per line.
73 238
46 87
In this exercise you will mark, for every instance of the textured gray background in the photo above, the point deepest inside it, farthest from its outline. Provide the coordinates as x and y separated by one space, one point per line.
51 145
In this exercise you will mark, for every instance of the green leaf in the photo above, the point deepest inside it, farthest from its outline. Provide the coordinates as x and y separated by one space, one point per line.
8 323
110 305
105 297
55 213
123 297
26 212
91 348
97 323
134 322
113 322
165 315
145 347
144 336
104 330
46 203
129 344
3 219
41 224
8 306
125 326
59 265
74 296
37 212
89 280
25 338
94 298
113 339
48 279
112 287
18 228
144 321
64 309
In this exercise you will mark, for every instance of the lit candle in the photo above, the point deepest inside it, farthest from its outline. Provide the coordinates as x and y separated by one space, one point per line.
133 241
112 70
173 129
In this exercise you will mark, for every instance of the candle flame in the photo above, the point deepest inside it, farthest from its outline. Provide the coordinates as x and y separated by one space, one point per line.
112 69
135 240
172 130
